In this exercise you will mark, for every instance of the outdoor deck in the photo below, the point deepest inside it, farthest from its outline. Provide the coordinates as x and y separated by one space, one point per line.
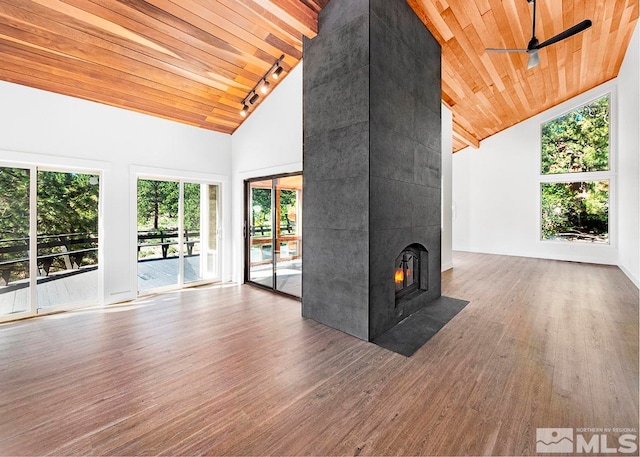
73 287
156 273
68 287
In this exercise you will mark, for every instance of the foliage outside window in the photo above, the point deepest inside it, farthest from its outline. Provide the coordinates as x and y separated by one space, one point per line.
261 201
576 211
66 215
577 142
158 208
575 169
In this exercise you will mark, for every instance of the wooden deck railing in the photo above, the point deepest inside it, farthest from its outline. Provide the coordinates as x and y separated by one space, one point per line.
261 238
166 238
72 248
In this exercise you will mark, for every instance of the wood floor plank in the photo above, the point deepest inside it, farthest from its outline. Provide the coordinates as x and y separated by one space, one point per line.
234 370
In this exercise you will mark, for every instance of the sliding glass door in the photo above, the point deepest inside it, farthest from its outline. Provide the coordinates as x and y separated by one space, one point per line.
274 233
67 228
191 248
15 241
158 228
261 263
177 234
62 209
288 235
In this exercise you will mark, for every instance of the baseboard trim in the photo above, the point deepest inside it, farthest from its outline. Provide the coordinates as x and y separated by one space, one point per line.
537 255
633 279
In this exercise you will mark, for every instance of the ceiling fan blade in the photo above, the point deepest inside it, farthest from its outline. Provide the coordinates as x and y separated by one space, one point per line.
534 59
505 50
581 26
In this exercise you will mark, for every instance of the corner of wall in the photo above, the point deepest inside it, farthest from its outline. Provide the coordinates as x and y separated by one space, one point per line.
629 161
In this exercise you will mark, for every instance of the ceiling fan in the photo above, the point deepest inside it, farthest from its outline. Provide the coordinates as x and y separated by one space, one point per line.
534 45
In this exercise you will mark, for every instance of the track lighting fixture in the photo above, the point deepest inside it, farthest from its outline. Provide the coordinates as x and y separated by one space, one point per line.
264 85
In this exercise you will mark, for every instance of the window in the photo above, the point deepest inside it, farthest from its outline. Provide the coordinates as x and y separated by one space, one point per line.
576 174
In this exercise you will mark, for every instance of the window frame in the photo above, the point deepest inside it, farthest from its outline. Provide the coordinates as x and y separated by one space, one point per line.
568 177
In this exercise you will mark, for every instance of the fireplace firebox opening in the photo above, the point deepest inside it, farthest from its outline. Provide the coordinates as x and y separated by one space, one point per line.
410 275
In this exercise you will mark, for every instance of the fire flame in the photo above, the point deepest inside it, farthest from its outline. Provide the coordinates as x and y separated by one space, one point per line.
399 276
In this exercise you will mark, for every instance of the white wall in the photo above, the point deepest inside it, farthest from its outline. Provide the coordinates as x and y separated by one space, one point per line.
48 129
496 187
629 163
447 184
268 142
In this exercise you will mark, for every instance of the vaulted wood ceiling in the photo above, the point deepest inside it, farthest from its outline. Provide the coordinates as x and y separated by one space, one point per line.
194 61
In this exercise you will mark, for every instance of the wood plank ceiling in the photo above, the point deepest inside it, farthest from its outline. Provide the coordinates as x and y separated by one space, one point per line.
194 61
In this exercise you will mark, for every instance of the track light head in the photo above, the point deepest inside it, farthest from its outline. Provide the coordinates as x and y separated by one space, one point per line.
262 87
278 72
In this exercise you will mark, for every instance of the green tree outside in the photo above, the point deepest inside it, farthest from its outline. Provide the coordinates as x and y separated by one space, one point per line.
158 205
14 222
158 213
67 211
261 197
577 141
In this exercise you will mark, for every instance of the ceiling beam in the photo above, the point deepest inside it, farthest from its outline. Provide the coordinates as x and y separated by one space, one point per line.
465 137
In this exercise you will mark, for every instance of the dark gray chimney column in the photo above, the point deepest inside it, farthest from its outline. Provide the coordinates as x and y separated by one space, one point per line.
371 162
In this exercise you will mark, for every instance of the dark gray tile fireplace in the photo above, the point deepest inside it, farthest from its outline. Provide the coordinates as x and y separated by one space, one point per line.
371 216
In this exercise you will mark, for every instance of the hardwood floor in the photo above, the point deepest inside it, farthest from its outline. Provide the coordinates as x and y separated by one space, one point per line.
234 370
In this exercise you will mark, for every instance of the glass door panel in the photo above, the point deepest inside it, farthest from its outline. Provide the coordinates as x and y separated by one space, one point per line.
14 240
211 218
288 235
192 242
260 233
67 229
158 234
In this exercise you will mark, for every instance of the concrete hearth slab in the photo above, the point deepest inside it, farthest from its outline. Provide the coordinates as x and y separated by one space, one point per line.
412 333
